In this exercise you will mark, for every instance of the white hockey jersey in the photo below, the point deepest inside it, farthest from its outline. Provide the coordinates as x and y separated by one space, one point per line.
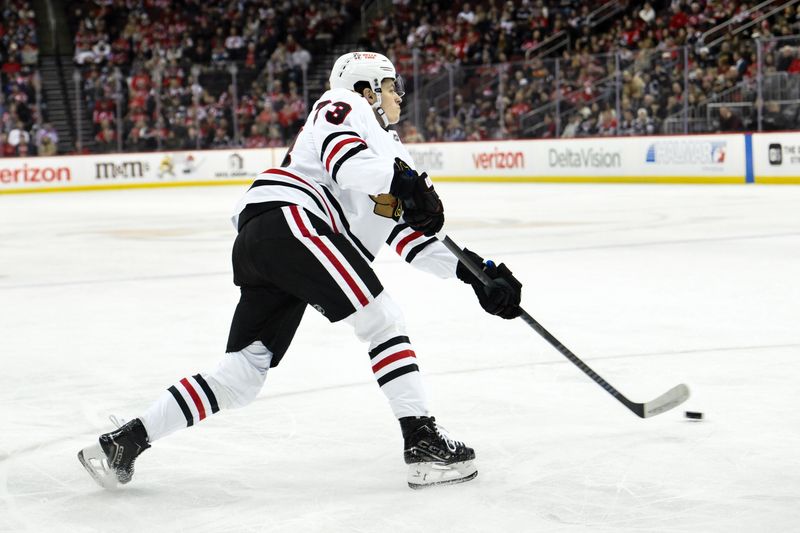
340 168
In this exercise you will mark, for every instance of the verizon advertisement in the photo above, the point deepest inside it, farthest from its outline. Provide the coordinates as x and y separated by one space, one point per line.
134 169
33 172
776 157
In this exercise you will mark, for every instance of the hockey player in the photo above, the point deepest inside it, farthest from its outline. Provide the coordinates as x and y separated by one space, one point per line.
307 233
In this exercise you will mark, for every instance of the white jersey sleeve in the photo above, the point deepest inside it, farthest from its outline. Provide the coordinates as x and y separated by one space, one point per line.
428 254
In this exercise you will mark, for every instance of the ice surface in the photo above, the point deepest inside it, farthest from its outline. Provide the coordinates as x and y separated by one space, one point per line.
107 298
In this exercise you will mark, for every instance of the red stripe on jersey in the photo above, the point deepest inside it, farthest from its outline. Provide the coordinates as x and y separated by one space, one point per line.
392 358
327 252
195 398
339 147
407 239
301 180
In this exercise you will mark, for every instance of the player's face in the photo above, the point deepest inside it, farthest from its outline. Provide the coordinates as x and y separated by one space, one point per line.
390 100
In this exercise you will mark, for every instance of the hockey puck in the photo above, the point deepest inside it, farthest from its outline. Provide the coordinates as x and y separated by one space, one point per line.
694 415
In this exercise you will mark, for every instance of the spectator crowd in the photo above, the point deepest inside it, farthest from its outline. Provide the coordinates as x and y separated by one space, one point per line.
168 65
622 73
22 130
191 74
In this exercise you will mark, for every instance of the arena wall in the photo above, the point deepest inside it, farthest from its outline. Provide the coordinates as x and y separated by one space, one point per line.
735 158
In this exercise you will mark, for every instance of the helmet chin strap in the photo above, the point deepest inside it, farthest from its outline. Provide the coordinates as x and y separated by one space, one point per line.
381 113
376 106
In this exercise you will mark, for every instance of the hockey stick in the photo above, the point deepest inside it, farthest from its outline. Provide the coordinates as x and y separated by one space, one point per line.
672 398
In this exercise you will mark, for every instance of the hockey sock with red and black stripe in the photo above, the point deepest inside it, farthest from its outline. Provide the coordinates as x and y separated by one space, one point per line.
235 383
394 365
203 401
182 405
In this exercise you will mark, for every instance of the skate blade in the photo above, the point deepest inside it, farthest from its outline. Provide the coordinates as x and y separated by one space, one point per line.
424 475
95 462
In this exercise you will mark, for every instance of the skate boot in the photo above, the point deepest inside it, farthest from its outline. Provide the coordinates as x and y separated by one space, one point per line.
433 457
110 461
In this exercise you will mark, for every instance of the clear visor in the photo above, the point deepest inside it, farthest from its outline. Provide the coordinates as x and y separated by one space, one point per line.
399 85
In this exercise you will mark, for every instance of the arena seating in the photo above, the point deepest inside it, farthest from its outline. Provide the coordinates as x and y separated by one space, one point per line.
23 127
157 75
649 38
170 62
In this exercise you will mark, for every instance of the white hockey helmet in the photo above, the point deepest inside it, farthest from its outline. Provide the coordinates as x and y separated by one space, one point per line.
369 67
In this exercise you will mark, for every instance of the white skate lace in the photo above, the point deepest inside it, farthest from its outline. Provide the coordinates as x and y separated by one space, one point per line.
118 422
452 444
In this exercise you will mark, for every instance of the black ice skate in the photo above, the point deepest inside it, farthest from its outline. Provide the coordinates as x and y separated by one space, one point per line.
433 457
110 461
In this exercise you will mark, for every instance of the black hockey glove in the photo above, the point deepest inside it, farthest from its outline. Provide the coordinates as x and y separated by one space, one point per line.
502 296
422 208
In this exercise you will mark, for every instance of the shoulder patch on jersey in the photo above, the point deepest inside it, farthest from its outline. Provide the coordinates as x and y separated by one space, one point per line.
387 206
395 136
